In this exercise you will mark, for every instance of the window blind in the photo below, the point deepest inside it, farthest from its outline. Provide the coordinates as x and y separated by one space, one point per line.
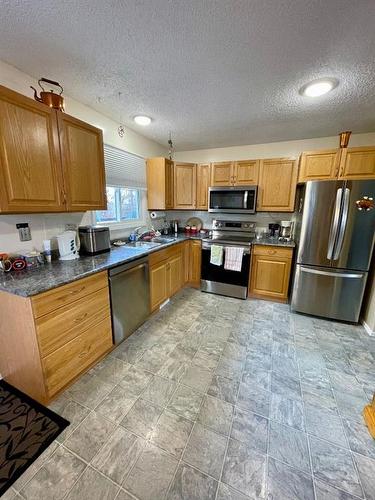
123 168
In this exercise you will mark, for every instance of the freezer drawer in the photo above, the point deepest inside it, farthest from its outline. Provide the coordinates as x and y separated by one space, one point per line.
331 293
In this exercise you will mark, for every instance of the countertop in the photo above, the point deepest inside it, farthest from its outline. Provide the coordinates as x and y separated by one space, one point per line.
33 281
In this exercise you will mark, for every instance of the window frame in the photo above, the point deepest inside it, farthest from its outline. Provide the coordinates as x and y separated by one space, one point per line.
124 224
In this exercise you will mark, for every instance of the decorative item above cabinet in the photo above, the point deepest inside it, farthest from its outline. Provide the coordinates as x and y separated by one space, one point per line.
49 161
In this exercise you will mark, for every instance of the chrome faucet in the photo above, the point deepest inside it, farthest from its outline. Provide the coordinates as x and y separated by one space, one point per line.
139 235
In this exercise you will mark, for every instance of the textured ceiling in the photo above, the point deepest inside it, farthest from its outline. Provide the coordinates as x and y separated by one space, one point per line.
214 72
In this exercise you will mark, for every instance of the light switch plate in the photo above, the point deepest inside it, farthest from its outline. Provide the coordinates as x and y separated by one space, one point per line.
24 231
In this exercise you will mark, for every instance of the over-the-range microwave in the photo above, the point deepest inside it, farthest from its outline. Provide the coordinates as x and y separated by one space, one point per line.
236 199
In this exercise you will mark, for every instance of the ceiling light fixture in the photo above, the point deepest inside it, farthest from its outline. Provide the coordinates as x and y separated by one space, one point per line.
142 120
319 87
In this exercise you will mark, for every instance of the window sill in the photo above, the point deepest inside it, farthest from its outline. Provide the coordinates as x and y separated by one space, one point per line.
114 226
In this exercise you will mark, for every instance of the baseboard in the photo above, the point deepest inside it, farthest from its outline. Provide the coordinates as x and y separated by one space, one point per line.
367 328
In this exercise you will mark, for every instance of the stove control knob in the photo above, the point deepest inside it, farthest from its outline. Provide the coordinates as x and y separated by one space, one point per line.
246 225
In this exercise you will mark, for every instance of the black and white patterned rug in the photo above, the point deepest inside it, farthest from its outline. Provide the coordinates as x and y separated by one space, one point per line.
27 428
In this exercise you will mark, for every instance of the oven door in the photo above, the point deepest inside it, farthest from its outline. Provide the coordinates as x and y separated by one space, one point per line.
232 199
216 279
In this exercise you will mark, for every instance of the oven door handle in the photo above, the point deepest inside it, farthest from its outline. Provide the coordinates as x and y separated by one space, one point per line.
207 246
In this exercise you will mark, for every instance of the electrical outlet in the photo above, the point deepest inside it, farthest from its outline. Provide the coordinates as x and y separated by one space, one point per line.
24 231
70 227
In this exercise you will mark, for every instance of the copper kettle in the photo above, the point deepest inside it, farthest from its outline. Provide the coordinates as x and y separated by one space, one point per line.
55 101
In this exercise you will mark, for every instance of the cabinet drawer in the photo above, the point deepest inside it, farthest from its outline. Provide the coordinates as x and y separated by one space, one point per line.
165 254
58 297
59 327
271 251
63 365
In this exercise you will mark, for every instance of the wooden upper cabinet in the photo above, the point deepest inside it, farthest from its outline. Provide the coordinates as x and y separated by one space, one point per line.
30 165
222 174
319 165
203 183
83 164
185 180
277 185
246 172
159 183
358 163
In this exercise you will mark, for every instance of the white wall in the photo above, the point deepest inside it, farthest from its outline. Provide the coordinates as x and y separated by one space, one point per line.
270 150
48 225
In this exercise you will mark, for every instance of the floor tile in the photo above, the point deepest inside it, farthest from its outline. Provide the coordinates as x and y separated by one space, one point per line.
326 424
229 368
119 454
206 360
245 469
326 492
216 414
90 436
258 358
334 465
135 380
224 388
255 375
254 399
289 446
124 495
159 391
93 486
251 429
191 484
205 450
227 493
142 418
116 404
110 370
359 438
173 369
285 386
89 390
197 378
286 483
285 366
186 402
318 398
150 477
129 351
366 471
55 478
287 411
171 433
72 411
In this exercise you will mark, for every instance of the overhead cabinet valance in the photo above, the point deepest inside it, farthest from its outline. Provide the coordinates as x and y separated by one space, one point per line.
49 161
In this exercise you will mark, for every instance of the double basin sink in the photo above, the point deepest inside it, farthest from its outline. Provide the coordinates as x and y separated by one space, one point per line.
150 244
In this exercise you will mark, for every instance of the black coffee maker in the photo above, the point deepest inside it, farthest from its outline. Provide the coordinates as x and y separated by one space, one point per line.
274 229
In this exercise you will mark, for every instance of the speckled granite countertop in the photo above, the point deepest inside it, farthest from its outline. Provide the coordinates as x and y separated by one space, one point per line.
33 281
274 242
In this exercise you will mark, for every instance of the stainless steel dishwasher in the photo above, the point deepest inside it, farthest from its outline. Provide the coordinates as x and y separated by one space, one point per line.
130 297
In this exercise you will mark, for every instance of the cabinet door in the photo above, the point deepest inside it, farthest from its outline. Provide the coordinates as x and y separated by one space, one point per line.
222 174
195 263
30 164
158 285
186 260
277 185
169 188
270 277
246 172
175 273
203 183
83 164
319 165
358 163
185 180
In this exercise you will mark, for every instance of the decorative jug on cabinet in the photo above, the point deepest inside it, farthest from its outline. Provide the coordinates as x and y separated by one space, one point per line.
50 99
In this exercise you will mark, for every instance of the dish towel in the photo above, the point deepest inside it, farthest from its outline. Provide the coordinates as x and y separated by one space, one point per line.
233 258
216 257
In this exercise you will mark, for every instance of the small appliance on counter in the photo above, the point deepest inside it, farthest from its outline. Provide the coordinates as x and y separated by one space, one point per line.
286 230
94 239
68 243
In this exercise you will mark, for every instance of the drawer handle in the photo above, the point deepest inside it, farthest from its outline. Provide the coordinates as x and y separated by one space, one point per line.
81 318
271 252
82 354
72 292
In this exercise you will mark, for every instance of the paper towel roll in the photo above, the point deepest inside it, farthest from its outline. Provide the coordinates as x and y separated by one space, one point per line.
157 215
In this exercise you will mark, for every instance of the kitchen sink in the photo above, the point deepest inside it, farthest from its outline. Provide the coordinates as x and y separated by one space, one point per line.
143 244
162 239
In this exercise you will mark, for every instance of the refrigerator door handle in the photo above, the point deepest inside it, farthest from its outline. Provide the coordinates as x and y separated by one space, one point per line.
344 219
328 273
334 225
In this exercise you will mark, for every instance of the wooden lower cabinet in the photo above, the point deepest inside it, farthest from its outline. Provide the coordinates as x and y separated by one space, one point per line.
48 340
195 263
270 272
159 288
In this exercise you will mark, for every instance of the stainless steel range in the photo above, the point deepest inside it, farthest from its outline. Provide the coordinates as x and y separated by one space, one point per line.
217 279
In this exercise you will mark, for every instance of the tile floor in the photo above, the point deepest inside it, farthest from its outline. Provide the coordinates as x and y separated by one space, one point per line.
217 398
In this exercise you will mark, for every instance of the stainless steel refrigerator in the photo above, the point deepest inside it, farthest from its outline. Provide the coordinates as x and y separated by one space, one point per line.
334 249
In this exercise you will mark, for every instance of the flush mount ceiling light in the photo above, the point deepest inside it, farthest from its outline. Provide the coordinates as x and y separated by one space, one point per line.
319 87
142 120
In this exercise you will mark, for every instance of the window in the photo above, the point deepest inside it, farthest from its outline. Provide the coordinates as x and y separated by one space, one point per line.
123 205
